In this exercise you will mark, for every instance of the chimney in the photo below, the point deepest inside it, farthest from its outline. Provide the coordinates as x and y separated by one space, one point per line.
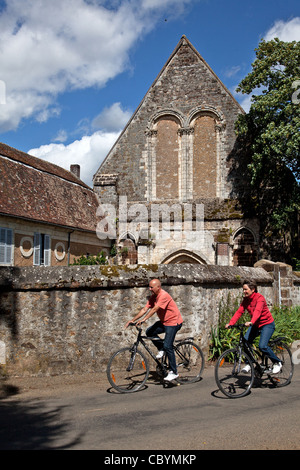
75 169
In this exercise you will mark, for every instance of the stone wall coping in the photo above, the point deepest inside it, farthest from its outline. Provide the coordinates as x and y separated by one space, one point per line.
111 277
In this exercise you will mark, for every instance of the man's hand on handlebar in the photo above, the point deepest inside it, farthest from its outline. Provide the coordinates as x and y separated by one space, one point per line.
134 323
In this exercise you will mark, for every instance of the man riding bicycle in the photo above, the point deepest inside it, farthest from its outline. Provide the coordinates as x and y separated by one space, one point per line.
170 321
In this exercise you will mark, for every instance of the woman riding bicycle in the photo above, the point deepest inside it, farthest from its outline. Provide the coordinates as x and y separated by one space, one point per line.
262 323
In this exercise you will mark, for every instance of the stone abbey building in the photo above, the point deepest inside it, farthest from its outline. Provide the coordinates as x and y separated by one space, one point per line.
172 168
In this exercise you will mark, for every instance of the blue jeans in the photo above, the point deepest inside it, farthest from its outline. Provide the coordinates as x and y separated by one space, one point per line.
265 333
167 343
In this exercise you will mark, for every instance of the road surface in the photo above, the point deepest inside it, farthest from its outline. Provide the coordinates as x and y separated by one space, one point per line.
82 412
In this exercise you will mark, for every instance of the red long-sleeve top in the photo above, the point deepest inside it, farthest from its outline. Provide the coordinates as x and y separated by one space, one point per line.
257 307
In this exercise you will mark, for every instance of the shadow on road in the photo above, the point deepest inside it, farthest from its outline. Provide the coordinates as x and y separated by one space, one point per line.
29 425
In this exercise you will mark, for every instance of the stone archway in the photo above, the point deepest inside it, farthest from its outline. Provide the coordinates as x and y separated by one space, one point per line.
244 248
183 257
128 253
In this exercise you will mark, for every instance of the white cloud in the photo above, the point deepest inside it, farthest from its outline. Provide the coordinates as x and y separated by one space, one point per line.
285 30
62 136
50 47
245 101
88 152
112 118
231 71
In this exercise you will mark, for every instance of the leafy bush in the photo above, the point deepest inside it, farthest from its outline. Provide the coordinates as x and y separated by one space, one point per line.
91 260
221 338
287 322
296 264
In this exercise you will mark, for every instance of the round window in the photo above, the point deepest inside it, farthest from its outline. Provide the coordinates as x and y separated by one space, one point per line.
60 251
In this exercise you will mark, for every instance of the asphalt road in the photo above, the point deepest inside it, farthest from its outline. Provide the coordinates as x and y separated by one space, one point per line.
82 413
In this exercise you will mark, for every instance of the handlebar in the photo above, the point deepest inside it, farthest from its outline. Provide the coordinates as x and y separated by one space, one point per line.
239 326
134 324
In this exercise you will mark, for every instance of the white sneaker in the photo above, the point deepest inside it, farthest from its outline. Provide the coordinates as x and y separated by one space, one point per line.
160 354
277 368
246 369
171 376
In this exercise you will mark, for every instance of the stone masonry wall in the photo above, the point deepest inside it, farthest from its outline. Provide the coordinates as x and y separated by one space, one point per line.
67 320
286 282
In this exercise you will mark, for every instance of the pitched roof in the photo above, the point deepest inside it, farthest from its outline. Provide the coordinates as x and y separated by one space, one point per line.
33 189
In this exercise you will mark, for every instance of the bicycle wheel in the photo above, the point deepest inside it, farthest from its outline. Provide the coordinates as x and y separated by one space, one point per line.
189 361
127 370
234 373
284 377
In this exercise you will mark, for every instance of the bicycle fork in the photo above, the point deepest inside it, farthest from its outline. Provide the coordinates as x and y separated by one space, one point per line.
237 362
132 358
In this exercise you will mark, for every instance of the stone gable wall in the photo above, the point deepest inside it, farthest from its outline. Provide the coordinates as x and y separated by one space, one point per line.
185 89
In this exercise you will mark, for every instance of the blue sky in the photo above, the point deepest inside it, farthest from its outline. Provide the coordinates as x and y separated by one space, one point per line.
72 72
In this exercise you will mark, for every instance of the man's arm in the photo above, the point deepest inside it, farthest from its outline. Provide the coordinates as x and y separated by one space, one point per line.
151 312
138 315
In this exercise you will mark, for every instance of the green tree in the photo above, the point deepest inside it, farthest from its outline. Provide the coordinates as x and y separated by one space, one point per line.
270 137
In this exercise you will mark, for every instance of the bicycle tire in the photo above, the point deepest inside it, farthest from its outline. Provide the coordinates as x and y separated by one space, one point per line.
120 377
231 380
283 352
189 361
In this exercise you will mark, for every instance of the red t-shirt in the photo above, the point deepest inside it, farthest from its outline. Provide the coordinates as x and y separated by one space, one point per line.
168 311
257 307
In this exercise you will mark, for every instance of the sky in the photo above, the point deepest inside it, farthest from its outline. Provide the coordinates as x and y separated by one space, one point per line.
72 72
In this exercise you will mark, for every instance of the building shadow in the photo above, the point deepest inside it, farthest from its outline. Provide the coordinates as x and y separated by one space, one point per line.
29 425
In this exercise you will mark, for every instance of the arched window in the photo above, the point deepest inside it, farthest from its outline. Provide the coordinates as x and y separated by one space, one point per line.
183 155
127 250
167 165
184 257
244 248
205 157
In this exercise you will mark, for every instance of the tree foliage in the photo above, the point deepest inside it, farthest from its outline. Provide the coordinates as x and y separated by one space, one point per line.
271 137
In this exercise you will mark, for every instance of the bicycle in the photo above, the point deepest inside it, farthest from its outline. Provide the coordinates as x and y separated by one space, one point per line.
128 369
235 379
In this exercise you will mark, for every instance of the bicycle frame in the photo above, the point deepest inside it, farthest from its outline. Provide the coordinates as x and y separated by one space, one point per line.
244 345
140 340
160 363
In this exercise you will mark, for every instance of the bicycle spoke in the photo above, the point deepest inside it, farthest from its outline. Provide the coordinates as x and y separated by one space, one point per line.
285 375
127 371
234 373
190 361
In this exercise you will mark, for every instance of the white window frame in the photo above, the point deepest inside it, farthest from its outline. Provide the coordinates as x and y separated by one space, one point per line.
6 246
42 241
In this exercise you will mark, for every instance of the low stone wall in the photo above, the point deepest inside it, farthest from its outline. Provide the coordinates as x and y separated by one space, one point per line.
70 319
